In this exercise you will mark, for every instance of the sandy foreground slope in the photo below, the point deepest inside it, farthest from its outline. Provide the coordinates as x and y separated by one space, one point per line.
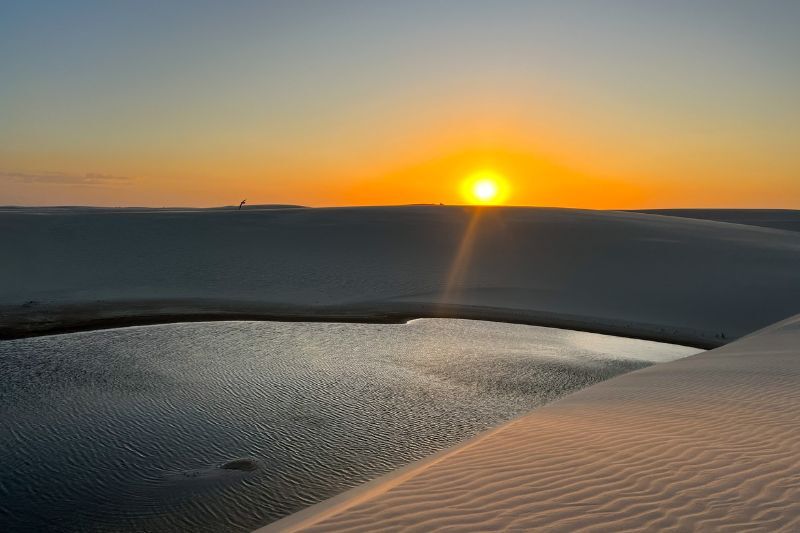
706 443
682 280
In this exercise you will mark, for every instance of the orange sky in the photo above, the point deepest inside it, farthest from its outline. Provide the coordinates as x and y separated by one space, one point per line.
577 104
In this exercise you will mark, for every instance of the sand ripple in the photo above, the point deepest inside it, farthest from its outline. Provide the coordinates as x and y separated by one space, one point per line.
707 443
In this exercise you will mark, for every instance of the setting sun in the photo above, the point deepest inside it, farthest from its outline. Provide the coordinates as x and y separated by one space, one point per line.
485 188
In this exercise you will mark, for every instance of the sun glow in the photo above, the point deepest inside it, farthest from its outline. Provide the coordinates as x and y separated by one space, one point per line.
485 188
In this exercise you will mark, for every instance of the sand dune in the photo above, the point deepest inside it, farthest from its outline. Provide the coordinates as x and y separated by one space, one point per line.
664 278
707 443
785 219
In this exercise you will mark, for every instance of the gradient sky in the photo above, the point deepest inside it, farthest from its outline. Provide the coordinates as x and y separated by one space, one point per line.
600 104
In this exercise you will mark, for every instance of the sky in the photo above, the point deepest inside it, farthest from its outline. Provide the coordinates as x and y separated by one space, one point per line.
597 104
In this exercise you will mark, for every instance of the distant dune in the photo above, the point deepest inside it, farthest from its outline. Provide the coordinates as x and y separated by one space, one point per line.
785 219
658 277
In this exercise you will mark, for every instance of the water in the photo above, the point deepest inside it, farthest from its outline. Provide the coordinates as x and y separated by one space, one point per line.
127 429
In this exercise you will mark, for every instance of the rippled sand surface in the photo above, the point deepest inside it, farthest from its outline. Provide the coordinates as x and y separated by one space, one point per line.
227 426
709 443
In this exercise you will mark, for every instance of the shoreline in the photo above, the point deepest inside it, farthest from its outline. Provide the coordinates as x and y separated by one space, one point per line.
35 320
604 456
343 501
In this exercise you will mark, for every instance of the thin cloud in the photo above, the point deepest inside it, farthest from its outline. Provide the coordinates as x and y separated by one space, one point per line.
64 178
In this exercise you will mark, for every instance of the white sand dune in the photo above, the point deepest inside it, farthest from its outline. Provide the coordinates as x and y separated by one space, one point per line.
785 219
680 280
711 442
706 443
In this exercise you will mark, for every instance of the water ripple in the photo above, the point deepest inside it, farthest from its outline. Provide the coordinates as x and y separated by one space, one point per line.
128 429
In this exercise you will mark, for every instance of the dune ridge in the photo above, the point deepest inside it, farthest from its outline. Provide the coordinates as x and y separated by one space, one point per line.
680 280
706 443
784 219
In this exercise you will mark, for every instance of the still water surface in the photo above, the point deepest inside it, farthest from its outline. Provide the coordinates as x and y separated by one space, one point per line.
126 429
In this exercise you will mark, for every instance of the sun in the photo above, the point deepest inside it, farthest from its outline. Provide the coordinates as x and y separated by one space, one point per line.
485 190
485 187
